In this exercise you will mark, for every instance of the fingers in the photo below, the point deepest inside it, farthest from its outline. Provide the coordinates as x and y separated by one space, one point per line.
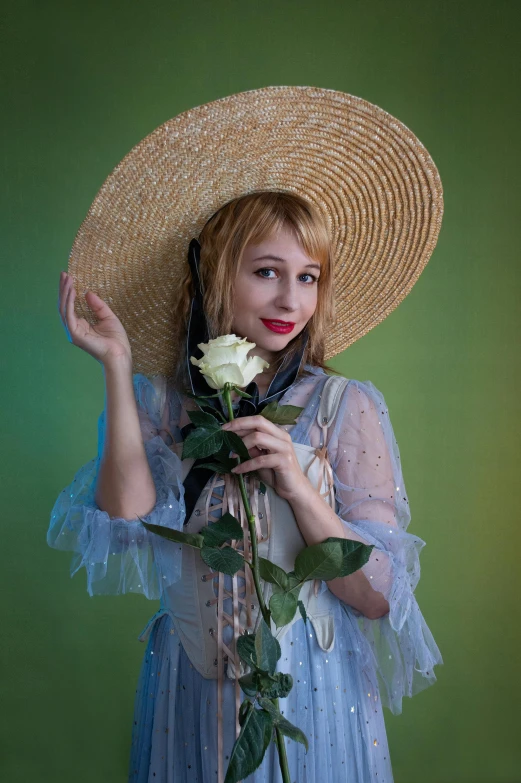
258 426
263 441
249 423
262 461
104 339
255 451
65 285
61 295
99 307
69 305
67 296
66 304
60 286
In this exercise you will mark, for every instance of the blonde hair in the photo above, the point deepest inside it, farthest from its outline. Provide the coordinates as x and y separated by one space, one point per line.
253 218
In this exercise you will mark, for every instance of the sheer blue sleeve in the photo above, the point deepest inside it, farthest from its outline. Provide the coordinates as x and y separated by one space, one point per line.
372 503
120 555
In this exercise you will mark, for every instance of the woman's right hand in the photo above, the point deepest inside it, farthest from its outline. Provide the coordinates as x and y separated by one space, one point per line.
106 340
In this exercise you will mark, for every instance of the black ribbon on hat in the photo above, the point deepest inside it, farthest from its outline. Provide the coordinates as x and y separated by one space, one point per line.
197 332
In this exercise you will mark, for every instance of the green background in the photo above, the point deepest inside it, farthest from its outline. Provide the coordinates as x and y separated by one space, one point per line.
81 84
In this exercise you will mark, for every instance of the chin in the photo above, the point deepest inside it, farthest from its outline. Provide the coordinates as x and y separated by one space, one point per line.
280 340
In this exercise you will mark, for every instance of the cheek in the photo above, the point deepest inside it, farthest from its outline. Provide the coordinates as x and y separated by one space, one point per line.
250 292
311 305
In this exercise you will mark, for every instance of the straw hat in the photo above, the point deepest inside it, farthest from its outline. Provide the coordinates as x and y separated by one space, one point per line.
371 178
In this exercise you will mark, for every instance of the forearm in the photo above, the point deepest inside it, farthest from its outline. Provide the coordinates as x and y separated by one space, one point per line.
317 521
125 487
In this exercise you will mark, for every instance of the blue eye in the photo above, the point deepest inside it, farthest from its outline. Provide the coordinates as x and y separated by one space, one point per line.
269 269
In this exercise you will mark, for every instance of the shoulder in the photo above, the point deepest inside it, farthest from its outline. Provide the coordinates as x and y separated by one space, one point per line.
353 385
366 392
310 371
363 409
356 397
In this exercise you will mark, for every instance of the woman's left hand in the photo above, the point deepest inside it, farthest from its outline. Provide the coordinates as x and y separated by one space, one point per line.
279 467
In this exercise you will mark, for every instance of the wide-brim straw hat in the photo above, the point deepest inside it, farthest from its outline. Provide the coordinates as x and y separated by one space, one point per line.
370 177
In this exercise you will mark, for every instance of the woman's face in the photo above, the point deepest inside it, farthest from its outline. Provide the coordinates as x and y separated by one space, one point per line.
276 281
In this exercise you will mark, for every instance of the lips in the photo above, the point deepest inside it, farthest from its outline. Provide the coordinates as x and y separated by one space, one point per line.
282 327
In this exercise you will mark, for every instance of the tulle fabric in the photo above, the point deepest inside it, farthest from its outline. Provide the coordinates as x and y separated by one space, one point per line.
120 555
334 700
374 662
373 505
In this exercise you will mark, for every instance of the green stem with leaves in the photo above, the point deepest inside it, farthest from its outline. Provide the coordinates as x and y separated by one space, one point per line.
283 759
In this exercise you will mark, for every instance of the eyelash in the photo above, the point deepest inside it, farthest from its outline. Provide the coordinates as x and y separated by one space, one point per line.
270 269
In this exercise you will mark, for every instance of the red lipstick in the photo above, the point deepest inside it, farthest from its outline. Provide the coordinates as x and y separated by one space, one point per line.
282 327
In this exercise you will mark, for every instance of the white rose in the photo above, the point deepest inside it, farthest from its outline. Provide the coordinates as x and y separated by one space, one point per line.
225 361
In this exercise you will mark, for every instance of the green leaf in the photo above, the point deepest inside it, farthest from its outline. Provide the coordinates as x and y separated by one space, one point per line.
269 686
214 411
319 561
354 554
268 705
249 683
244 709
283 607
227 528
228 463
281 414
192 539
294 582
250 746
274 686
201 419
293 732
273 573
246 649
215 466
302 610
236 443
294 585
227 560
286 728
268 733
221 461
202 442
267 648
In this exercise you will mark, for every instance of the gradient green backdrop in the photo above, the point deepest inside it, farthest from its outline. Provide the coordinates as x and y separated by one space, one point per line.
82 83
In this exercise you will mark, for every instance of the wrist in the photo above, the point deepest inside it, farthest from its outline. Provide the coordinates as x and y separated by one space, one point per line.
304 495
117 365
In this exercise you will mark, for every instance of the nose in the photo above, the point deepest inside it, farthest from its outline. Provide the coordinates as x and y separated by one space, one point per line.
287 297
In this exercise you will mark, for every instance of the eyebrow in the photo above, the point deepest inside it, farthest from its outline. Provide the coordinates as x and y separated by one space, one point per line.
278 258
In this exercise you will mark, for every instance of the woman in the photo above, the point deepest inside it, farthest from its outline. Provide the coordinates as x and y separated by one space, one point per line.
265 257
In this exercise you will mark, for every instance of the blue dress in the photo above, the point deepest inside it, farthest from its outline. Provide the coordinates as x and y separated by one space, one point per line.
338 696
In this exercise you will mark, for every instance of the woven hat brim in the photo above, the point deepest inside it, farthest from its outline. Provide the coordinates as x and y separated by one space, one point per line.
368 174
